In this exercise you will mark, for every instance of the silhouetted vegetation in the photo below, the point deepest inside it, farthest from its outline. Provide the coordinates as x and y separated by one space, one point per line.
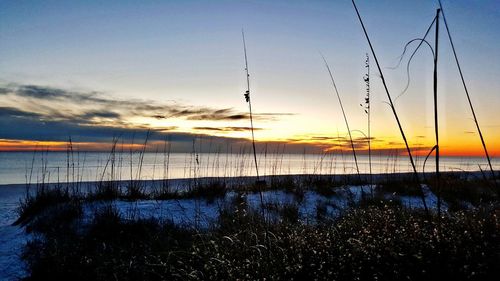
34 204
385 242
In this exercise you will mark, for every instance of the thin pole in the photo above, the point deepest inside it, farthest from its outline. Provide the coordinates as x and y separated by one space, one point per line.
247 98
391 104
343 113
466 91
436 123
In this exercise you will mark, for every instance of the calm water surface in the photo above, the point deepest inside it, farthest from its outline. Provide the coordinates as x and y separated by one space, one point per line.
22 167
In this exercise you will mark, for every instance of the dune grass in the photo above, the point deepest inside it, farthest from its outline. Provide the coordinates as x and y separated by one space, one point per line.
384 242
34 204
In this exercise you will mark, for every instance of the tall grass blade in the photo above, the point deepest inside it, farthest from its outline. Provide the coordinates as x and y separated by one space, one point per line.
391 105
248 100
343 113
467 91
436 123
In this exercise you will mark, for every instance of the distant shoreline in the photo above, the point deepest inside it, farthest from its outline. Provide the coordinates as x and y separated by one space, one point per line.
360 153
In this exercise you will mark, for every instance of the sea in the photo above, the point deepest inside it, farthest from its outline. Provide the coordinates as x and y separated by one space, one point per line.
54 167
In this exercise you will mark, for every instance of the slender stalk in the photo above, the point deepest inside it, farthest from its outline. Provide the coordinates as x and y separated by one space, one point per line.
421 41
131 159
466 91
369 120
436 123
367 108
248 100
141 155
166 163
345 117
391 104
67 162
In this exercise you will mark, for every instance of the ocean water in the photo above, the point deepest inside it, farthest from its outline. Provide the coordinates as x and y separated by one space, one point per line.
30 167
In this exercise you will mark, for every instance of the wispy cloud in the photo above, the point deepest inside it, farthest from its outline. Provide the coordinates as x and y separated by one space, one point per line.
226 129
35 113
97 107
31 114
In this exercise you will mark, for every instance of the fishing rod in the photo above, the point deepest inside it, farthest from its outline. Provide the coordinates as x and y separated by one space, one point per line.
343 113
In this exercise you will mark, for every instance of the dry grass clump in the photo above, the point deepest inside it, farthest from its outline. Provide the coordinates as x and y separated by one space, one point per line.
461 194
34 204
370 242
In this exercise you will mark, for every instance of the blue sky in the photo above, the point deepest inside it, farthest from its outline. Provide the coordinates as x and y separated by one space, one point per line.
190 52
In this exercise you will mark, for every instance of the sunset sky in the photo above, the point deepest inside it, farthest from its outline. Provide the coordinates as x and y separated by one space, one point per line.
94 70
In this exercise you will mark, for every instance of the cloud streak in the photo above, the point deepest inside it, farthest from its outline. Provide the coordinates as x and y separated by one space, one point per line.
33 113
226 129
91 107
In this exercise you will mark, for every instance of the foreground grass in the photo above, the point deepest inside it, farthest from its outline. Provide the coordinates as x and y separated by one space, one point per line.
44 198
457 192
367 242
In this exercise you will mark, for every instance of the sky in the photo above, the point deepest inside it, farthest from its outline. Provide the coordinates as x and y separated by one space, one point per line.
97 70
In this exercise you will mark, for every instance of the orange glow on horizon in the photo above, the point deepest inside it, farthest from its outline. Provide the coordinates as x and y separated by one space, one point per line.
325 146
54 146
